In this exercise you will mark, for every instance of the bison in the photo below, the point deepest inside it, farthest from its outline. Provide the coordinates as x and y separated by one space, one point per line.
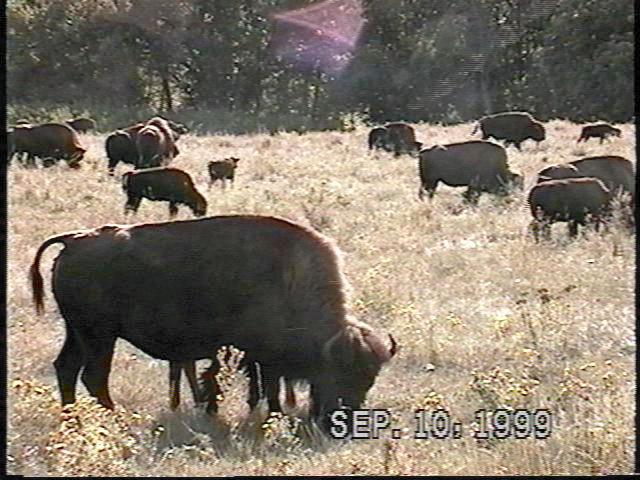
615 172
82 124
222 170
512 127
598 130
403 138
479 165
568 200
397 137
151 144
50 140
165 184
120 148
378 139
121 145
180 290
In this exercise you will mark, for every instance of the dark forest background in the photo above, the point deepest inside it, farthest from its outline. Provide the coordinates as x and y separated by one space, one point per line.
214 64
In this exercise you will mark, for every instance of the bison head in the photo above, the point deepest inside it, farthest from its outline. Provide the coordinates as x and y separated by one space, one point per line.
538 132
353 358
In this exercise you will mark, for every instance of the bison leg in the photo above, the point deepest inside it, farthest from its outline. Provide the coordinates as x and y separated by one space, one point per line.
429 188
111 167
254 385
471 195
190 370
133 203
173 209
271 383
573 228
290 394
96 371
175 371
210 387
68 365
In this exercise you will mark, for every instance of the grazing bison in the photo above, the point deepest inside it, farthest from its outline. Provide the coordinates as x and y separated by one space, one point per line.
598 130
615 172
120 148
378 139
402 137
50 140
151 144
397 137
479 165
569 200
82 124
180 290
222 170
165 184
121 145
512 127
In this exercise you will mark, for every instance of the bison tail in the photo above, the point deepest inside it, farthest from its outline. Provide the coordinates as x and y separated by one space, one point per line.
37 285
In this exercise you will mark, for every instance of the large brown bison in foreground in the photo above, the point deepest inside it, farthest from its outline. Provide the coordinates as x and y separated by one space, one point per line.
180 290
512 127
598 130
163 184
570 200
481 166
82 124
50 140
396 137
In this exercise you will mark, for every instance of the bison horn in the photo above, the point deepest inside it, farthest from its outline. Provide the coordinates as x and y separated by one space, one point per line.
394 346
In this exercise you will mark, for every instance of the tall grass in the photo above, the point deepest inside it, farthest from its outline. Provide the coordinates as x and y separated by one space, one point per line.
485 318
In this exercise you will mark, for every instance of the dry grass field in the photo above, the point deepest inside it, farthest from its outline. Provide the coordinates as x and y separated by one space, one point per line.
485 318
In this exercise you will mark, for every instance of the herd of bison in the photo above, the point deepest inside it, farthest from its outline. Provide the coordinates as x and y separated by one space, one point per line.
180 290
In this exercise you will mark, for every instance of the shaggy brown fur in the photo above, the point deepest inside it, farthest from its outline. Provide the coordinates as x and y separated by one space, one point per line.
50 140
598 130
180 290
165 184
481 166
222 170
512 127
569 200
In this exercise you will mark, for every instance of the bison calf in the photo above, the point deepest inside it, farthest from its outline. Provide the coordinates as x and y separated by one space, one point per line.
222 170
598 130
165 184
569 200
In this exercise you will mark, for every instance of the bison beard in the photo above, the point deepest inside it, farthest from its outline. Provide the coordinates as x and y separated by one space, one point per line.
180 290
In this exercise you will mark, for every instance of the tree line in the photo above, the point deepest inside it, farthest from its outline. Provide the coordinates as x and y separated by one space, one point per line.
414 60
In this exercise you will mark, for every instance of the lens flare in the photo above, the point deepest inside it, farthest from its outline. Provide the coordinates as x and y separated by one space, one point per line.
321 36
